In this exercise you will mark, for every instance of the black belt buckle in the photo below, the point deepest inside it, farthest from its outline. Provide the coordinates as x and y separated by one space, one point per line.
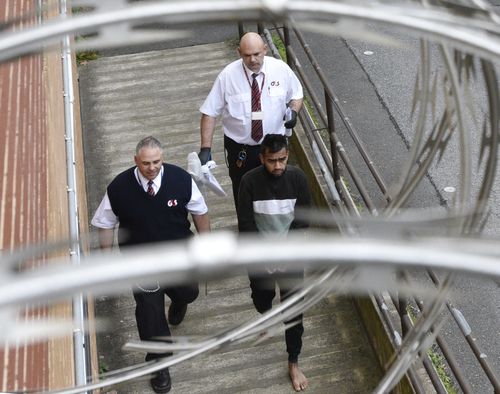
242 156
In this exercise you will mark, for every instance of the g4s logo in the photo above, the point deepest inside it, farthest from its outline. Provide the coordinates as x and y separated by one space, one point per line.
172 203
275 83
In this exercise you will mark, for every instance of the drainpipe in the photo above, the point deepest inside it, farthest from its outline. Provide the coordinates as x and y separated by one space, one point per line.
79 304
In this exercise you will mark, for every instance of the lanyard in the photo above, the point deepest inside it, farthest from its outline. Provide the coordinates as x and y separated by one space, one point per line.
248 80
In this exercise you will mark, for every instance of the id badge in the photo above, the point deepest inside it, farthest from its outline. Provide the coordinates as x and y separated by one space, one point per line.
258 115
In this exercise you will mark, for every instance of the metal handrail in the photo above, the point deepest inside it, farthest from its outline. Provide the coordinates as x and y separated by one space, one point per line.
327 120
396 341
345 119
448 355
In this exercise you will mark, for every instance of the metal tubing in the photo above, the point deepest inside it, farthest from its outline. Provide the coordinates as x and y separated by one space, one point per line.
436 381
272 47
316 142
339 147
452 362
312 136
350 128
396 337
382 306
474 36
332 133
260 28
329 95
448 355
288 45
334 140
333 188
467 332
406 324
481 357
80 355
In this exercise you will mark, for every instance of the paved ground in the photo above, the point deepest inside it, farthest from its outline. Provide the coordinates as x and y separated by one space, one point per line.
376 91
127 97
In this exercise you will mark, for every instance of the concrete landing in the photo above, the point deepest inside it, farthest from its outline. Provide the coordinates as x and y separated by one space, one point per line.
125 98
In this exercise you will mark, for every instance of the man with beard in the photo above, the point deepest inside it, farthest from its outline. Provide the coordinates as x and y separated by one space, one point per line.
267 199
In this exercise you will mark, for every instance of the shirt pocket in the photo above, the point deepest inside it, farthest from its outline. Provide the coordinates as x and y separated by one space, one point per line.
277 98
276 91
238 106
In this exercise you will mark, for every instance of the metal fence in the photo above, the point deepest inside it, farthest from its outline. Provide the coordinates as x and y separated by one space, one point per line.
472 27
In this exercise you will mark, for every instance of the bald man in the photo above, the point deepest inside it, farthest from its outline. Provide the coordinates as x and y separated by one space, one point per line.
251 96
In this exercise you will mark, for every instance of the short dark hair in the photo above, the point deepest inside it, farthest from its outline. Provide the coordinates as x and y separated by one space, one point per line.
273 143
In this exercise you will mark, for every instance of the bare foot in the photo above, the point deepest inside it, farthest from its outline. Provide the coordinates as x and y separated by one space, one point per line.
299 381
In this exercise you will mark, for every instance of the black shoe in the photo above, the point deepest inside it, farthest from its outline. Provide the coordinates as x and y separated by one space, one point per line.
176 313
161 383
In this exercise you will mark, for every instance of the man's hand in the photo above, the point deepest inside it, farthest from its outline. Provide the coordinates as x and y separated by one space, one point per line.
204 155
290 124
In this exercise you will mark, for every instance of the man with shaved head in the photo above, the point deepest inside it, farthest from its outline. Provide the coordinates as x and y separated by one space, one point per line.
251 96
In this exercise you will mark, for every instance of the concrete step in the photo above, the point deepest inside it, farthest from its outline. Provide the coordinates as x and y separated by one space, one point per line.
125 98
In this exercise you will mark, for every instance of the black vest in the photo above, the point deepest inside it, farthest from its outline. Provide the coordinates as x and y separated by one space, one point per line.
144 218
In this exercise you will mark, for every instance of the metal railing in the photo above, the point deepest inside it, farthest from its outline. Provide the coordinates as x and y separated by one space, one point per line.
333 161
329 110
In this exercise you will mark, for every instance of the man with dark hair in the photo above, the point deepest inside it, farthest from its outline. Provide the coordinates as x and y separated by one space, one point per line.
251 95
150 202
267 200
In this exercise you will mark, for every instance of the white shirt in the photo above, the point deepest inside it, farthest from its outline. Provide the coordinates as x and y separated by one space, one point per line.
104 216
231 97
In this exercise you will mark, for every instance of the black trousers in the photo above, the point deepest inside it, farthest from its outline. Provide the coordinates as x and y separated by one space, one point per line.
263 291
150 311
236 173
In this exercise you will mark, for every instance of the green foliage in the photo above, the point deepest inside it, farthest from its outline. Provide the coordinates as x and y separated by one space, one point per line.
103 367
280 45
439 364
84 57
437 359
324 133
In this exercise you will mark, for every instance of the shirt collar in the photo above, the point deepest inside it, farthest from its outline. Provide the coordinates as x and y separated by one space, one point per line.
144 181
250 72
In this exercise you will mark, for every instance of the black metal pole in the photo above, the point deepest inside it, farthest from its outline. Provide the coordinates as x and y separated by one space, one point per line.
331 130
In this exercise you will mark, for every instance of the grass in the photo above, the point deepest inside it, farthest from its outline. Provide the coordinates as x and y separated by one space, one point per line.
103 367
437 359
83 57
280 46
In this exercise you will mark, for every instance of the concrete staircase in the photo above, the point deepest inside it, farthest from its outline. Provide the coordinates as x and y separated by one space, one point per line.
127 97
